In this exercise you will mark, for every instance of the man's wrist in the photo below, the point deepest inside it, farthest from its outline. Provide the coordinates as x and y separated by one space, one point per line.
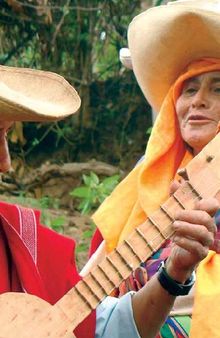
179 275
172 286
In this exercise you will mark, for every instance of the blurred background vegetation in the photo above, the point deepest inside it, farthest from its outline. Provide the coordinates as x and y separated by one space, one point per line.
79 39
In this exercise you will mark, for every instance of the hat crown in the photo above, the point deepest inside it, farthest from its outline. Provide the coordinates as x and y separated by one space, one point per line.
212 5
165 39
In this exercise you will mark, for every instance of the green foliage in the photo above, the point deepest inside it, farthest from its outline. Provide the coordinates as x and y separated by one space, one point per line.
148 132
83 246
56 223
91 194
81 41
45 203
94 191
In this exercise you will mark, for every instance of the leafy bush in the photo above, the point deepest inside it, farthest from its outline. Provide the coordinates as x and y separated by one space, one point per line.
94 191
56 223
84 243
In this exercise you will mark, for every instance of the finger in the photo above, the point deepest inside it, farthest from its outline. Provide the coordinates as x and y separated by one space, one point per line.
174 186
210 205
194 231
195 217
215 246
195 248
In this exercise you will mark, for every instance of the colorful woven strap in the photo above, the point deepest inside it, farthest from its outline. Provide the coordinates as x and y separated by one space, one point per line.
175 327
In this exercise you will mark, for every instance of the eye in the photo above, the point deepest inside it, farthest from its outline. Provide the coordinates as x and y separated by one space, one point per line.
190 90
217 89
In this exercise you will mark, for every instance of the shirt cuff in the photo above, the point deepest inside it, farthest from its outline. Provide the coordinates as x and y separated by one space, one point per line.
114 318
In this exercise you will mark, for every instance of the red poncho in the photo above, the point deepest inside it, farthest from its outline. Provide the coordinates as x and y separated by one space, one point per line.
36 260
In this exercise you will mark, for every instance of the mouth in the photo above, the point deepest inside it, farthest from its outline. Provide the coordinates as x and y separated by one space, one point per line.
198 118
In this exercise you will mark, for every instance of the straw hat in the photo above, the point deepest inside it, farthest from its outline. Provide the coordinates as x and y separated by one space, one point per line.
34 95
164 40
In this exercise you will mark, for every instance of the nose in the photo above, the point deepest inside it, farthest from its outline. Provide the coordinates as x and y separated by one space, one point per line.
200 99
5 160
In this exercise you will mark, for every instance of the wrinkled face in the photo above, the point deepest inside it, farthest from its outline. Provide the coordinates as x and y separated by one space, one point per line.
5 161
198 110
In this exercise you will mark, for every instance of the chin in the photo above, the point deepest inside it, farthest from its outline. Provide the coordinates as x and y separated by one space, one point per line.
198 139
197 142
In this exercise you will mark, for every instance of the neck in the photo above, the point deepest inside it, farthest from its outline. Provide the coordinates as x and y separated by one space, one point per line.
196 151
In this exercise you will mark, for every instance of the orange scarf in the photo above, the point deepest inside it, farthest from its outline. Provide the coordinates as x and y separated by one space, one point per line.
147 186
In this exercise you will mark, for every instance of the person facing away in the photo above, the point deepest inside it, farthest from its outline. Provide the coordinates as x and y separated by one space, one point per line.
175 54
34 259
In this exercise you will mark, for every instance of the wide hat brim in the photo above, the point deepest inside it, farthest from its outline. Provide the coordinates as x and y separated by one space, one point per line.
164 40
35 95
